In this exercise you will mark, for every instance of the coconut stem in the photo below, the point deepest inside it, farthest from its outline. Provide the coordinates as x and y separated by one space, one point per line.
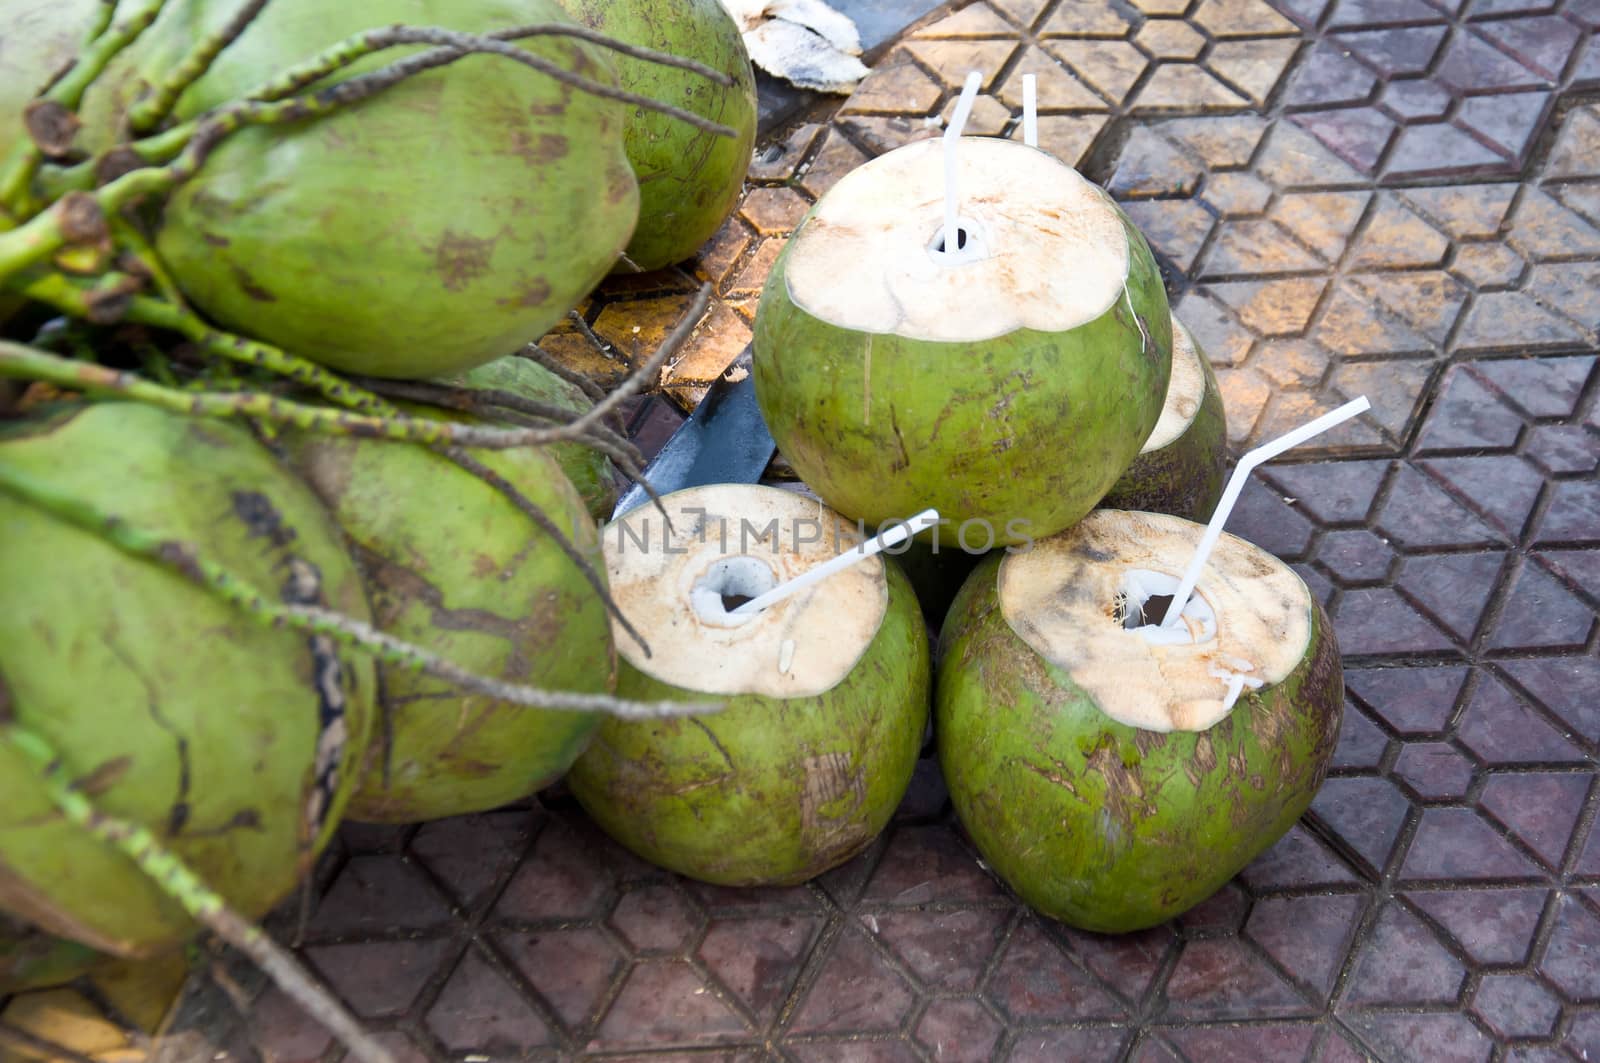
148 112
338 56
18 169
203 904
183 559
454 45
490 403
61 293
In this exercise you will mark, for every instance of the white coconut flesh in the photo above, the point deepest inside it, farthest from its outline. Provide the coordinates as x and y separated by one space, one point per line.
1039 246
1186 389
730 543
1082 600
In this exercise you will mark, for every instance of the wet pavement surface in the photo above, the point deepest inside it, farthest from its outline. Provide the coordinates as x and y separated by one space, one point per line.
1399 198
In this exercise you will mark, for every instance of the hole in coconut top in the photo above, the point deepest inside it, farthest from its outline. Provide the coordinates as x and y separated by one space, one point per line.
1142 604
727 584
969 245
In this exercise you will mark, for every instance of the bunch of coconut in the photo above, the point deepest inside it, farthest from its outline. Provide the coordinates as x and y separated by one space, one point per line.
1017 370
309 469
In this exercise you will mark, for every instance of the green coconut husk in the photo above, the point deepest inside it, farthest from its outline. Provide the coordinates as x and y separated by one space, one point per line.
1181 468
689 179
235 743
437 226
775 789
590 471
963 404
451 563
1097 822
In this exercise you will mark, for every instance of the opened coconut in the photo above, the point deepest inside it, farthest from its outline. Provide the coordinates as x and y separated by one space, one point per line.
1008 372
452 564
1113 772
234 743
1180 468
689 179
826 692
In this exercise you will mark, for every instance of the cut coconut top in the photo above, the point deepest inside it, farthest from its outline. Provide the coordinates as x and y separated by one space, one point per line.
1186 388
1077 599
1044 249
730 543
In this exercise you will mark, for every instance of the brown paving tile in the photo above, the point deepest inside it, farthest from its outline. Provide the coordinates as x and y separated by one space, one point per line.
1222 978
1446 1038
1403 962
281 1030
1566 960
1365 814
855 990
1047 1046
928 864
1309 937
479 1010
1434 770
1457 845
1414 701
666 1002
381 977
1221 1044
655 918
945 950
852 1051
1035 983
1491 926
571 969
375 894
471 853
1516 1005
564 878
1128 963
758 960
958 1030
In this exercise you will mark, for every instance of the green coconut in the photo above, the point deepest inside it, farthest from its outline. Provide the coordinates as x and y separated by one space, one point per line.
1115 774
1011 379
1180 469
689 180
826 693
451 564
441 224
32 959
590 471
236 744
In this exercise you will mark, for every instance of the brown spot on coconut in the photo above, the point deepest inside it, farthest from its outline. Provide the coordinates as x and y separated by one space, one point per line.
1180 468
1176 754
826 692
121 666
1010 380
450 563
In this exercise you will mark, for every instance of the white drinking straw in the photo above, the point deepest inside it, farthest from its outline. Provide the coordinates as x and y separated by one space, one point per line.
1030 110
1247 464
952 134
893 536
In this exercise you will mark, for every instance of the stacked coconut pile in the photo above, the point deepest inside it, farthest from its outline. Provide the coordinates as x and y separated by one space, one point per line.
295 526
1004 361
